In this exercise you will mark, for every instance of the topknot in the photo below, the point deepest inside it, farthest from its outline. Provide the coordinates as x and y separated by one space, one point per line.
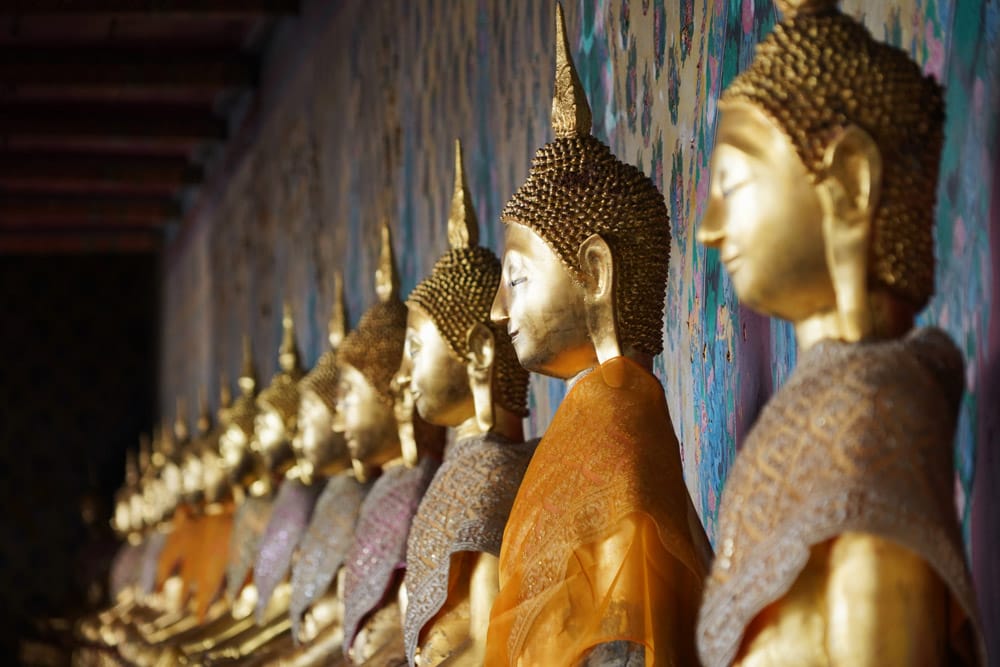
577 188
244 408
324 377
282 395
375 348
459 293
819 72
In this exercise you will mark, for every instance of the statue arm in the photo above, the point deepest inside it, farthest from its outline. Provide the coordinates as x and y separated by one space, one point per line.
884 605
484 585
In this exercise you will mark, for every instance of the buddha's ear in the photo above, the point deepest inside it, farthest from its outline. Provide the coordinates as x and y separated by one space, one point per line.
598 267
479 365
849 192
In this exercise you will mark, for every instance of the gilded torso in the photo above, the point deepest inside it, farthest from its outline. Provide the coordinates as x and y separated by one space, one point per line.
377 557
465 509
326 542
858 442
290 516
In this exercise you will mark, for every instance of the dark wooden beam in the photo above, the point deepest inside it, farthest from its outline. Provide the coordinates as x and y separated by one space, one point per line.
152 7
39 211
111 121
79 242
31 169
187 68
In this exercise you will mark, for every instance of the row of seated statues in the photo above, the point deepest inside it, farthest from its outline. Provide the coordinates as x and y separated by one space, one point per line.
384 508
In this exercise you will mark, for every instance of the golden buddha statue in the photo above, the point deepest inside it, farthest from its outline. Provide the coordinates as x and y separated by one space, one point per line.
463 374
603 557
258 453
182 474
205 477
838 537
127 527
275 429
123 581
367 362
251 481
217 510
316 608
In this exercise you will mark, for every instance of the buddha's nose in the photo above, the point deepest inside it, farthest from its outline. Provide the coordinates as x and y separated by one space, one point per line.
711 231
498 311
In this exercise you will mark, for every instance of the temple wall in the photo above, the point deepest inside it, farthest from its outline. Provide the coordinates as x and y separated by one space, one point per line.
359 107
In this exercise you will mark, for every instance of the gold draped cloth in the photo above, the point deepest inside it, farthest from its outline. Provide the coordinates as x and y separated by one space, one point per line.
858 440
603 543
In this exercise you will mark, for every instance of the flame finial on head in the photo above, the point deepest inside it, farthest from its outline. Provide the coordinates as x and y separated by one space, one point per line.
181 433
204 423
225 399
337 328
570 110
386 275
463 227
791 8
288 353
248 375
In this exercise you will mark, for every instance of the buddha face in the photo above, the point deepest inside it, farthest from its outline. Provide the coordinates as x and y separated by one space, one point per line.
146 506
137 513
438 382
234 445
121 521
316 444
765 217
192 478
271 439
214 476
173 483
367 422
543 308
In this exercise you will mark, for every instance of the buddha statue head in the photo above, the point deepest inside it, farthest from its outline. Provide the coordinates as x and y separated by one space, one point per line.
320 450
121 519
278 404
587 247
173 438
367 361
214 483
459 367
823 179
239 461
189 465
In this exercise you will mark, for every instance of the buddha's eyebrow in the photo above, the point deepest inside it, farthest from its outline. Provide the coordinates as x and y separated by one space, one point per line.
752 144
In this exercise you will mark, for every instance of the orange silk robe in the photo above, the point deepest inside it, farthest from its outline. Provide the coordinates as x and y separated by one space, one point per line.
215 531
180 546
197 549
603 543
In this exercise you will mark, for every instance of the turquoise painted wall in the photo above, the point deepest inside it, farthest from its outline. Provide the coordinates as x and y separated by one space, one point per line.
359 106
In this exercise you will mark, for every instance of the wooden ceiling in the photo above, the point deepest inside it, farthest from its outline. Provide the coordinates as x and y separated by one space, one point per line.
109 108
